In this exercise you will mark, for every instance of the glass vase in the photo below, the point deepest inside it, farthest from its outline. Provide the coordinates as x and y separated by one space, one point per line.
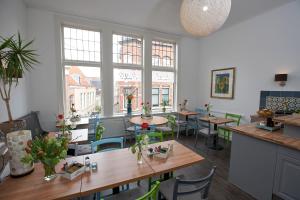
139 158
50 173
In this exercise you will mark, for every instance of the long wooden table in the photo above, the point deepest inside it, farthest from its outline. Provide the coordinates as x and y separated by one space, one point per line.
115 168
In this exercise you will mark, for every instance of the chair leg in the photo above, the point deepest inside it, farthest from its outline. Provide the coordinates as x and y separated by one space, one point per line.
196 140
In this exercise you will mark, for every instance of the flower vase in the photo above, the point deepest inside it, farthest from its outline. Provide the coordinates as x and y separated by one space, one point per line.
164 109
50 173
139 158
129 108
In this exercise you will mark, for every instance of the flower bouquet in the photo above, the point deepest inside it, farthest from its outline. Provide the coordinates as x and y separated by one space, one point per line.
146 111
208 107
137 148
49 151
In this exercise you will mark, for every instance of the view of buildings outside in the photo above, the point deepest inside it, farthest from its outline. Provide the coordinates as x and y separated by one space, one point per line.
127 50
83 89
83 83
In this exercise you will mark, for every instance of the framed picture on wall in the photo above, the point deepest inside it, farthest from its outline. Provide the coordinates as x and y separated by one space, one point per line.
222 83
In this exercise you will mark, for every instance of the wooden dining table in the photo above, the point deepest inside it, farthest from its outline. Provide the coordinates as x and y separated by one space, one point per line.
115 168
216 121
155 120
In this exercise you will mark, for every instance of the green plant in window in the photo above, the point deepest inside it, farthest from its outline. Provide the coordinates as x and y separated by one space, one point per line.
164 104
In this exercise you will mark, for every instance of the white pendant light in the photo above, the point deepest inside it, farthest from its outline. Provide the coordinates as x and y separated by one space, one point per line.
202 17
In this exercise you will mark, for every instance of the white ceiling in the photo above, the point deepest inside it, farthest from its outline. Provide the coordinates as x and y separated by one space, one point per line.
160 15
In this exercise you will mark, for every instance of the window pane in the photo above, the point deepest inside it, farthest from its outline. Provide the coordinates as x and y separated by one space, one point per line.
163 54
127 49
127 81
165 82
83 89
155 97
81 45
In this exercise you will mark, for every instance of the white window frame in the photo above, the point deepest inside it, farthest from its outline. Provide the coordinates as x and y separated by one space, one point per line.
77 63
106 30
173 69
130 66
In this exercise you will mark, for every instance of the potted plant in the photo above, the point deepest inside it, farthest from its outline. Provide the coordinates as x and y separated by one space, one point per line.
164 104
16 58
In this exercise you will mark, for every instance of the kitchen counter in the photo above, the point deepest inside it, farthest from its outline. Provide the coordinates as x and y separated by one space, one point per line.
276 137
289 120
264 163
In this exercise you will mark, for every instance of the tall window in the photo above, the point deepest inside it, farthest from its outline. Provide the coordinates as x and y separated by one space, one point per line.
164 72
128 70
82 62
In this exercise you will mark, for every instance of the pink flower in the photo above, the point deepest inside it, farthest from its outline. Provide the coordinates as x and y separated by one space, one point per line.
60 116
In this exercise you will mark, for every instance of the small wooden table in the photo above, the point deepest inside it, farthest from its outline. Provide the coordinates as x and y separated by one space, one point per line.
180 157
187 114
216 121
155 120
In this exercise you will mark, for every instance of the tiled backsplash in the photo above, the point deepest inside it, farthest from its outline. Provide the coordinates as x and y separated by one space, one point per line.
278 100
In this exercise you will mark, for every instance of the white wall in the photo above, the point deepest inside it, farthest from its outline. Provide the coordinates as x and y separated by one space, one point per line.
12 21
258 48
45 89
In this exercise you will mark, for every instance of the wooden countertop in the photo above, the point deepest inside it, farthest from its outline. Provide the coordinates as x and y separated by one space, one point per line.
289 120
276 137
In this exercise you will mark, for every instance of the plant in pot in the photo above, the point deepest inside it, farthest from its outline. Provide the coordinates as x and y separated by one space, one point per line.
16 58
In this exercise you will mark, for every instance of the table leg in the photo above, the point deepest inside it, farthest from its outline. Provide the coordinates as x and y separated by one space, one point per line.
216 145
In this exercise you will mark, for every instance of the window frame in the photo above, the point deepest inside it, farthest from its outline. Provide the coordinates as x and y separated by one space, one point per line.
128 66
106 30
155 88
173 69
78 63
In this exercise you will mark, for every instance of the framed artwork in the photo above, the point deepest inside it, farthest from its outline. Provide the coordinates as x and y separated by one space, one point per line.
222 83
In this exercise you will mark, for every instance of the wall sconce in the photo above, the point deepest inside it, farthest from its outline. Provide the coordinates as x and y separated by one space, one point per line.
281 78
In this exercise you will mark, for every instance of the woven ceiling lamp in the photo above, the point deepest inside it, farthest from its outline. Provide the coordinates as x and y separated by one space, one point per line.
203 17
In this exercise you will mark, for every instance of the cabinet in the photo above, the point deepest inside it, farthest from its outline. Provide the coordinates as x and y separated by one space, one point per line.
287 175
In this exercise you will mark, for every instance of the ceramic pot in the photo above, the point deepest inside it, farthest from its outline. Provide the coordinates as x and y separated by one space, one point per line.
16 143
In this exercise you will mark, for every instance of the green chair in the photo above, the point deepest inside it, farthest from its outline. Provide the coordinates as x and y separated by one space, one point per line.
224 129
170 128
138 193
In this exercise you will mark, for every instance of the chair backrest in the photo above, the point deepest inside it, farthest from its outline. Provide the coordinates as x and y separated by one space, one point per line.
126 122
93 122
203 189
235 117
138 129
201 112
33 123
107 141
152 194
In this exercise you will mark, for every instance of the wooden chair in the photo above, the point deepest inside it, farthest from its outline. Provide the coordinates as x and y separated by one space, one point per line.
138 193
224 129
177 188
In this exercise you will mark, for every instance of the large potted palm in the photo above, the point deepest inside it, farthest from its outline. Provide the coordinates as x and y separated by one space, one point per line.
16 58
